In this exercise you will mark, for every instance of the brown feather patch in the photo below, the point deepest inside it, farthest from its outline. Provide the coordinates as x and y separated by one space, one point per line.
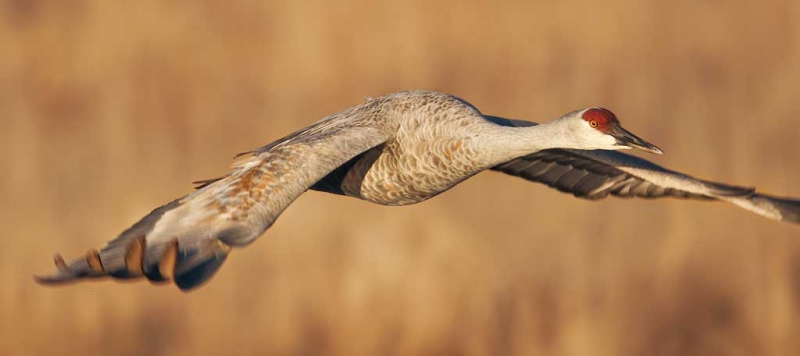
94 262
60 264
166 264
134 256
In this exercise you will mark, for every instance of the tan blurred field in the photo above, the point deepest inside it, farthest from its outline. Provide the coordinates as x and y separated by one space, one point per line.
109 109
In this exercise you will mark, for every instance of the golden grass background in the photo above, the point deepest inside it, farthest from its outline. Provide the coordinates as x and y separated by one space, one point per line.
109 109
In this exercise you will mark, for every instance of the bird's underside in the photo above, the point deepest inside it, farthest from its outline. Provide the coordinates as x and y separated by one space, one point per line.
354 153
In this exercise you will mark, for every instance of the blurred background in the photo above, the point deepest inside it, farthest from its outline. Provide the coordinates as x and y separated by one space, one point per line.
110 109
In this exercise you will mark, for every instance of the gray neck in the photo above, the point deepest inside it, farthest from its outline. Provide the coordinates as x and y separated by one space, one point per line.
504 143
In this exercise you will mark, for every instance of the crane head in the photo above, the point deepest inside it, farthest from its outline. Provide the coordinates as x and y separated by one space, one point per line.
605 122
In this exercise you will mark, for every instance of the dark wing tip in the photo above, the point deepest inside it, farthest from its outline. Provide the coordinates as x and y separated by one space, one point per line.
53 279
62 275
196 265
188 266
787 208
199 274
790 211
63 272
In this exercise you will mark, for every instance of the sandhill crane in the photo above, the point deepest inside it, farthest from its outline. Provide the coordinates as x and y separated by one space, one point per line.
399 149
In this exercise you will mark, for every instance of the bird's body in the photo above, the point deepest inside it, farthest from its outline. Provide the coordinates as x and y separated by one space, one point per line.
399 149
433 144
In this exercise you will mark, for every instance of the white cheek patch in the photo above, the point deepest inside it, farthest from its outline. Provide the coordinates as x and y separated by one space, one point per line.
603 141
609 140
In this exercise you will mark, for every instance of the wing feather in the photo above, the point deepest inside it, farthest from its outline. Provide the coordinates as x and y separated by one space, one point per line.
188 239
597 174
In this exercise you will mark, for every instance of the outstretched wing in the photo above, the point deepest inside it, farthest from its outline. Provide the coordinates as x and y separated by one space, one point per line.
188 239
598 174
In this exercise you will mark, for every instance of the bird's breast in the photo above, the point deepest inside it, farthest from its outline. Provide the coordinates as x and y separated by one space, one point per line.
408 173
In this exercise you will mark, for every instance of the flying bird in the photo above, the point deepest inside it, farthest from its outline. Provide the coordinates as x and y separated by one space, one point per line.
398 149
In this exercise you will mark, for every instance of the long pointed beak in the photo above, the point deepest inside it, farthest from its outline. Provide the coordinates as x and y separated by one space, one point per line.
626 138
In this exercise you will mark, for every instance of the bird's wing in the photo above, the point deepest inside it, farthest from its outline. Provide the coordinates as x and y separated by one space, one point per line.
188 239
597 174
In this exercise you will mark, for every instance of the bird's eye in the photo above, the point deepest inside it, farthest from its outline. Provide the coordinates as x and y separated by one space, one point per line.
593 123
